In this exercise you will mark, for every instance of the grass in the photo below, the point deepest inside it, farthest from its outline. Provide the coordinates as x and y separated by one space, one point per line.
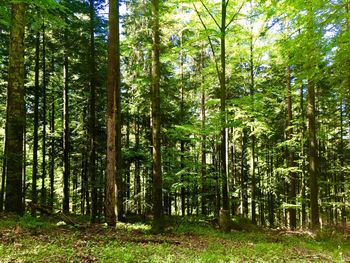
29 239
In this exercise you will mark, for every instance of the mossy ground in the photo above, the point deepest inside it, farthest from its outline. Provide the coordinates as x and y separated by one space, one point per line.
31 239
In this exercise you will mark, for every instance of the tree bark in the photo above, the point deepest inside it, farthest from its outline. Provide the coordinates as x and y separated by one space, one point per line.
15 121
303 165
36 123
3 174
271 193
156 153
118 127
92 119
52 154
203 145
66 130
252 91
292 175
225 199
182 142
311 110
43 176
112 80
137 192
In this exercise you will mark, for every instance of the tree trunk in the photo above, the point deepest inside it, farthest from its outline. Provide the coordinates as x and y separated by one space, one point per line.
3 174
271 193
112 84
52 154
43 176
66 131
303 165
244 179
127 162
15 121
252 91
156 153
118 127
203 145
36 124
225 199
313 162
342 198
137 192
92 119
182 143
292 175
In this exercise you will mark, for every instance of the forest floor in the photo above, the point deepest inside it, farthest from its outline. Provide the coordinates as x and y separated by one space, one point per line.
29 239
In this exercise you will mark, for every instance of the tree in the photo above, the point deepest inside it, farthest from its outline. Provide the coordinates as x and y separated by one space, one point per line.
15 123
112 84
66 130
92 116
43 176
36 123
156 143
311 113
221 72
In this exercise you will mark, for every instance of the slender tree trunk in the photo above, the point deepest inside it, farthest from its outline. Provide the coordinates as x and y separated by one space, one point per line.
235 179
313 162
303 165
3 173
15 121
292 175
119 166
347 88
342 198
244 186
252 91
137 192
225 199
43 176
36 124
127 162
156 153
203 146
24 171
112 84
74 191
182 143
313 165
66 131
92 118
271 193
52 154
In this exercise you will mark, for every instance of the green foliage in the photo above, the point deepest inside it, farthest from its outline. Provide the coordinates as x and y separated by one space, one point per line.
33 223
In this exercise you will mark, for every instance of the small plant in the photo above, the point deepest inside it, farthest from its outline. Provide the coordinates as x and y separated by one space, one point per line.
32 223
328 233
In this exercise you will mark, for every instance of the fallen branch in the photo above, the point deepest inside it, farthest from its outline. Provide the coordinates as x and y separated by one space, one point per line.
156 241
59 215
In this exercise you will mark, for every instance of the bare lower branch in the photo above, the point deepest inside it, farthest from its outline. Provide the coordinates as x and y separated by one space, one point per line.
211 15
210 43
234 16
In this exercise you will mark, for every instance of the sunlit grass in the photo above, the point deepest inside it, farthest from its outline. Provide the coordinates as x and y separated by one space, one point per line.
135 226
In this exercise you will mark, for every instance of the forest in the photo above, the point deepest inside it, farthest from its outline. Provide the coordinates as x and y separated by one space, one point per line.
141 130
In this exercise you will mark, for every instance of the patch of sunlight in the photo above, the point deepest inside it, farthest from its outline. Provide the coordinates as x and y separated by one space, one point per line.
131 227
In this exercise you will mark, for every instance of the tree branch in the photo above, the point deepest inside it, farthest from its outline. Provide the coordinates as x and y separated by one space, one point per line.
234 16
210 43
211 15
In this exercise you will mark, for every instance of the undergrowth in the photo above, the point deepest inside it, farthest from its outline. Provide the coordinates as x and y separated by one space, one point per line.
30 239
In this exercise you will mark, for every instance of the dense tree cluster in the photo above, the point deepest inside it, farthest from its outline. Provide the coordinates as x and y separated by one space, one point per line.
211 108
